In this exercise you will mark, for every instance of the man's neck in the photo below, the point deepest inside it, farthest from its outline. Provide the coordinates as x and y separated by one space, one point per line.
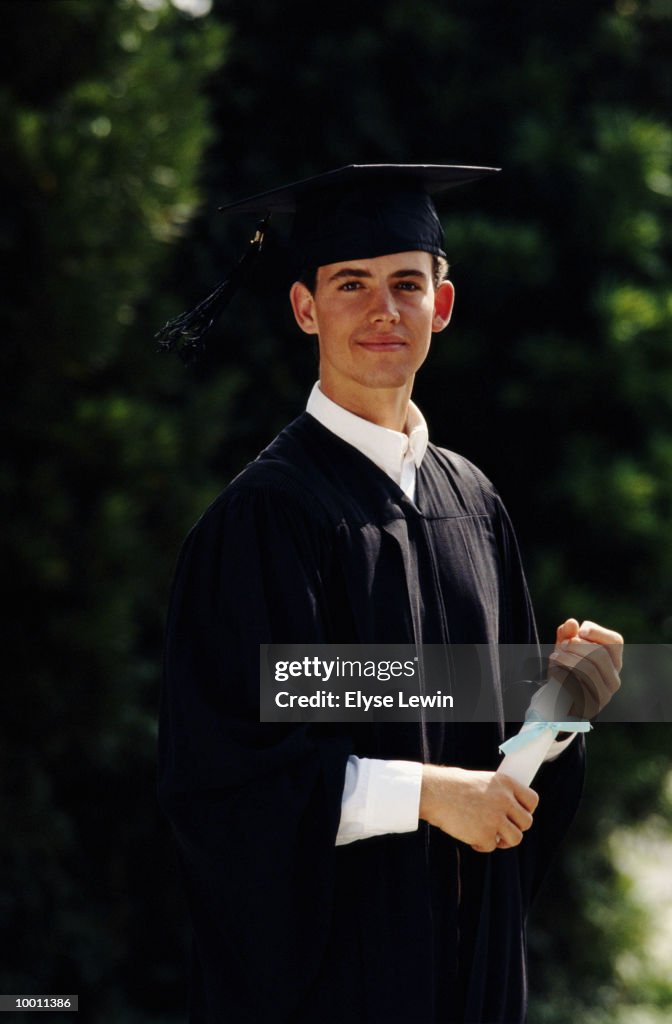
386 407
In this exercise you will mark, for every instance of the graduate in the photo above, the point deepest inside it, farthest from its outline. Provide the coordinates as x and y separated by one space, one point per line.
356 873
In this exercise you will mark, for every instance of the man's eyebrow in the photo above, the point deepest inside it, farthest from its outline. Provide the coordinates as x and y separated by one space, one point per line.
411 272
349 272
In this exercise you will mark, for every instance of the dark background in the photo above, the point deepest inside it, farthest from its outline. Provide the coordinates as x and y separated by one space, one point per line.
124 125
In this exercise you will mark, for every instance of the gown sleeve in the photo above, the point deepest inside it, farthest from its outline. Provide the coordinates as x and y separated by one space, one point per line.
254 807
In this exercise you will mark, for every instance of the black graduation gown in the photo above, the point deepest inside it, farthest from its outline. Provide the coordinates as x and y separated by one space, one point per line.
313 543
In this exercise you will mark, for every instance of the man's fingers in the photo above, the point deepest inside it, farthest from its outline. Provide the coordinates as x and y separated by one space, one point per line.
520 796
510 835
521 805
590 660
593 632
589 674
526 797
508 817
609 638
523 820
507 836
567 630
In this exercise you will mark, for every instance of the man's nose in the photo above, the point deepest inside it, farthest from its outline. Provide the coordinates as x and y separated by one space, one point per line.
383 306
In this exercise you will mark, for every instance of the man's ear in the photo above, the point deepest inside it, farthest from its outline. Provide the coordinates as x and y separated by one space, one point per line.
444 300
303 307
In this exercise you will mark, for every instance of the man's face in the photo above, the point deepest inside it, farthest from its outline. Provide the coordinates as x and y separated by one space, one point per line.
374 319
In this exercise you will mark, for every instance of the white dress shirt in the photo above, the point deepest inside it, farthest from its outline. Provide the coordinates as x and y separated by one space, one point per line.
382 796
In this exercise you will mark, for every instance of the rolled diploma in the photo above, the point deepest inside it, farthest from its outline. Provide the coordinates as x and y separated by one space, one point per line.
550 704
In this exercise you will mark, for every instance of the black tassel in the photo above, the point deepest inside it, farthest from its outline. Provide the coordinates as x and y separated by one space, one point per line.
184 333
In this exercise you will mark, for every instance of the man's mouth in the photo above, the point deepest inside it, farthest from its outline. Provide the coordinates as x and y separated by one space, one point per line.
383 343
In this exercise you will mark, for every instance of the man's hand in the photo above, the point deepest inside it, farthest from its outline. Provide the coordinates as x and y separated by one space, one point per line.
486 810
587 661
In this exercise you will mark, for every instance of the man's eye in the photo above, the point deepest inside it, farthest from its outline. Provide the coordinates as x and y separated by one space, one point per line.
408 286
350 286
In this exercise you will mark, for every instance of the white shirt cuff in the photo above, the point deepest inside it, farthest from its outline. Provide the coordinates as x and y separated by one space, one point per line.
379 797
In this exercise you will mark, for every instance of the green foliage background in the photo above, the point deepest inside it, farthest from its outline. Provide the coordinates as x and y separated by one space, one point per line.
124 125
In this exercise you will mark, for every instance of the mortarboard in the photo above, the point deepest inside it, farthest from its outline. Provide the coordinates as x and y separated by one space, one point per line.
356 212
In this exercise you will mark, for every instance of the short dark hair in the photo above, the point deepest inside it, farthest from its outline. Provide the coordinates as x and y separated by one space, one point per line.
308 276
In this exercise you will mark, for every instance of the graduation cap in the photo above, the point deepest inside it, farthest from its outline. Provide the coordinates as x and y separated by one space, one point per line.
356 212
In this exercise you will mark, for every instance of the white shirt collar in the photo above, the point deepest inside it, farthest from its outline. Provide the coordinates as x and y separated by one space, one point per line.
397 454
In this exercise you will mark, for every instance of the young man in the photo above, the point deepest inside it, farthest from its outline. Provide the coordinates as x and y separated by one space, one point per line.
357 873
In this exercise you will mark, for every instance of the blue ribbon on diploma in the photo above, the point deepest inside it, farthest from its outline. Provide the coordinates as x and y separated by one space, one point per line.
535 726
